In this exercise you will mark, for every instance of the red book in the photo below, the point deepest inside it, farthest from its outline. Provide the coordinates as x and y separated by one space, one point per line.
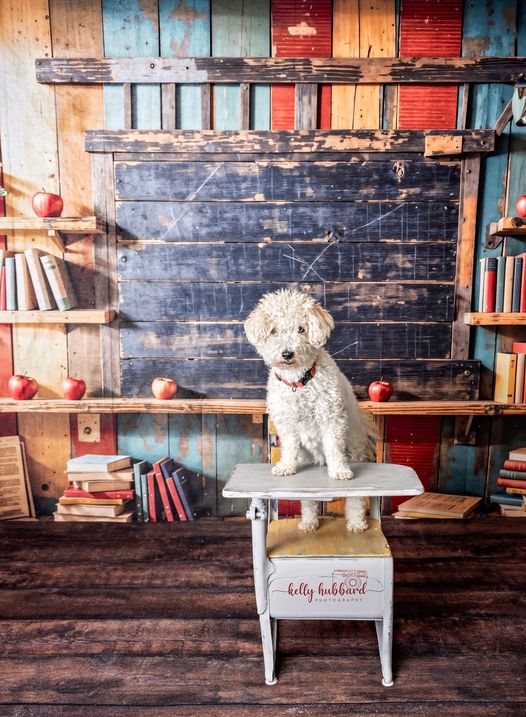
518 347
162 489
522 305
511 483
2 289
514 465
79 493
152 508
177 501
490 280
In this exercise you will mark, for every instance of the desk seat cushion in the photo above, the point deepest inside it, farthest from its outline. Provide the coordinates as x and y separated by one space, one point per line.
332 539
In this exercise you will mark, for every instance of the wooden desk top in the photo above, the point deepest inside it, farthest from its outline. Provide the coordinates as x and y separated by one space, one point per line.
255 480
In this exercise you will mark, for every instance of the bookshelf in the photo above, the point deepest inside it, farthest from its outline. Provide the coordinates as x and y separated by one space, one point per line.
249 406
505 227
478 318
72 316
55 226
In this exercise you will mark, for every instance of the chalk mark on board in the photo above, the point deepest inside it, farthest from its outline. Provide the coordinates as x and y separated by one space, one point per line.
378 219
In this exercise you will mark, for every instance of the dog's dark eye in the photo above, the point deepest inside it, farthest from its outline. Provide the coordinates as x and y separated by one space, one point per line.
301 330
273 331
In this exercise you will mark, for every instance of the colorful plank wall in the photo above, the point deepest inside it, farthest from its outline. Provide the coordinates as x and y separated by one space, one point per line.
41 144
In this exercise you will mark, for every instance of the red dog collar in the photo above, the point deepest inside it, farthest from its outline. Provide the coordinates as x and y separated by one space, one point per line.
304 380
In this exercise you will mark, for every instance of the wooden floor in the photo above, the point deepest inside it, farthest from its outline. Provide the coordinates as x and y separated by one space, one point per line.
159 620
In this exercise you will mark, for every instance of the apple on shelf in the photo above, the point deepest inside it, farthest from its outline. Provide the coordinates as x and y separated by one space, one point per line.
22 388
47 204
380 391
164 388
521 207
73 388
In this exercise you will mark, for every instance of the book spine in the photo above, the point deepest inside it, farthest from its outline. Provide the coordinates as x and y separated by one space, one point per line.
138 496
513 475
42 292
25 295
517 284
51 270
519 378
10 283
71 492
505 373
508 283
180 480
2 289
490 285
145 501
510 465
163 493
176 500
499 288
482 287
511 483
522 306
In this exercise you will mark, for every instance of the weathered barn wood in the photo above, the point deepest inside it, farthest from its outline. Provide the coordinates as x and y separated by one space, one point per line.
161 339
301 261
249 222
247 378
276 181
279 141
234 70
349 301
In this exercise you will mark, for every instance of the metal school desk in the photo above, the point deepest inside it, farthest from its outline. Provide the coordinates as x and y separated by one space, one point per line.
330 574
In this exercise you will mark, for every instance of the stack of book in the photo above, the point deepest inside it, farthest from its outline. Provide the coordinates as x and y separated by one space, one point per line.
503 284
437 505
163 492
100 488
32 280
510 372
512 478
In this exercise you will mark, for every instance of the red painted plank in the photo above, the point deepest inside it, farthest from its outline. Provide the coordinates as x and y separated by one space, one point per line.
7 420
300 28
429 27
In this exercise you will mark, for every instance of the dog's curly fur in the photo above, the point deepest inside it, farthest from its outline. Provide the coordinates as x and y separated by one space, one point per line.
289 329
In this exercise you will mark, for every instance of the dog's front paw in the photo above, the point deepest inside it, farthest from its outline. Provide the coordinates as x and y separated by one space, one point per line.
342 474
309 526
356 525
283 469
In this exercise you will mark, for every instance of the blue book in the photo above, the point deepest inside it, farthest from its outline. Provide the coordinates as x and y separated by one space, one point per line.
502 498
499 297
181 481
10 284
517 282
144 498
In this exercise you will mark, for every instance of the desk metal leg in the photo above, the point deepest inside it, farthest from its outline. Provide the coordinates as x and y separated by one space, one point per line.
384 628
257 514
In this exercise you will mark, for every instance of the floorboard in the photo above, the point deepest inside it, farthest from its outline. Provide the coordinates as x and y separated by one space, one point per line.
161 619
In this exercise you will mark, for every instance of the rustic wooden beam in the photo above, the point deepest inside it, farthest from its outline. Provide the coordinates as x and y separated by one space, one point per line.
244 98
306 106
66 225
253 407
280 141
168 106
235 70
74 316
495 319
504 117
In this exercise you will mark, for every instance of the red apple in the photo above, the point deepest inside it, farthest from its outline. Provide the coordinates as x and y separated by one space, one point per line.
22 388
73 388
521 206
46 204
380 390
164 387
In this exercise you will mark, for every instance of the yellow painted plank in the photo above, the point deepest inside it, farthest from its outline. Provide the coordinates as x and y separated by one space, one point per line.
29 155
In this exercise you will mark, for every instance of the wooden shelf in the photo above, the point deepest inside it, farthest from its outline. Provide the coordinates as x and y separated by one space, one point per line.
249 406
507 226
73 316
495 319
67 225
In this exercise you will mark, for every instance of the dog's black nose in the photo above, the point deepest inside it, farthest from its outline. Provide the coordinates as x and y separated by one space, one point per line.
287 355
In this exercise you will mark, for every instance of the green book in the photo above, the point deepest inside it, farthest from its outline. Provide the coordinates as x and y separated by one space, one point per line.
140 468
499 297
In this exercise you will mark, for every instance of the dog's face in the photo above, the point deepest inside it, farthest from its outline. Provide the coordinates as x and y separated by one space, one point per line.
287 328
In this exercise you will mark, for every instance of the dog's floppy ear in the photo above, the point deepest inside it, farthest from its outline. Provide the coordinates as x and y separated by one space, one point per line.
319 324
257 326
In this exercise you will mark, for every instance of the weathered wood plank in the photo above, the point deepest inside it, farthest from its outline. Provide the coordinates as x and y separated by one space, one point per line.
282 70
246 222
161 339
347 301
298 262
268 181
228 377
279 141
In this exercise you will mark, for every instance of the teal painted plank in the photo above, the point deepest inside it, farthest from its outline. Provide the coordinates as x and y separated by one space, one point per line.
240 28
193 445
143 436
185 32
131 29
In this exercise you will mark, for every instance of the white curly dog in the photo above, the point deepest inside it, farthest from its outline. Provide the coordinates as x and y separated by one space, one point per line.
309 400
